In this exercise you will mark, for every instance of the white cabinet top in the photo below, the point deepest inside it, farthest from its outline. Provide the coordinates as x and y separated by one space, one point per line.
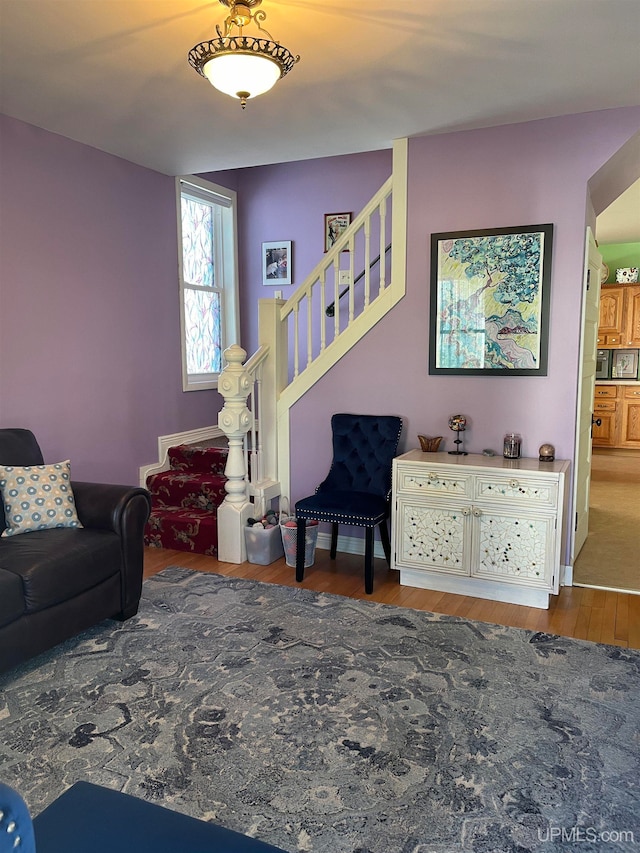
481 462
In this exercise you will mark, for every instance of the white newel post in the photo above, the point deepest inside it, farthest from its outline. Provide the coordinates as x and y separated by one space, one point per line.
234 420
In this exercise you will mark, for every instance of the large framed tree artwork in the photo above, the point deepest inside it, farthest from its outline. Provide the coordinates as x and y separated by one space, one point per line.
490 301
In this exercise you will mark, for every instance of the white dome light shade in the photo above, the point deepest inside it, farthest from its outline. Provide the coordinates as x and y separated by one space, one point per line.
242 74
238 65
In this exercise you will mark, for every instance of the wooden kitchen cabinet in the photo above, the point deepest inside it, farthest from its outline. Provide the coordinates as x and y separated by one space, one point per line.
605 409
619 323
611 316
631 331
618 408
630 422
481 526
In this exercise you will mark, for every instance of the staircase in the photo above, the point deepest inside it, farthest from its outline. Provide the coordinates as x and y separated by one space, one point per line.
300 339
185 500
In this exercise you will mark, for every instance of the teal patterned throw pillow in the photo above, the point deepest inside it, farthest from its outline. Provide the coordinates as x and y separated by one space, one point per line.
37 497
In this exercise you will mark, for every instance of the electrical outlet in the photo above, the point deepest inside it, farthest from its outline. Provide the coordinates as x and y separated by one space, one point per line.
345 278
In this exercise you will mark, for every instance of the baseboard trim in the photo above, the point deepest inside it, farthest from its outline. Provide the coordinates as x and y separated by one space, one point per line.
192 436
607 588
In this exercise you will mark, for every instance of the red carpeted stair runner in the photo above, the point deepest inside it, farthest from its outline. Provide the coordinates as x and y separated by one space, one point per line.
185 500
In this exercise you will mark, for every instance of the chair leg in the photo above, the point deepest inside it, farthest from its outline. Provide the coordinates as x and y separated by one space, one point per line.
368 560
334 540
386 544
301 528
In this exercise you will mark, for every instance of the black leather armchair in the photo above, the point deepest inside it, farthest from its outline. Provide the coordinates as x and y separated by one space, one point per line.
56 583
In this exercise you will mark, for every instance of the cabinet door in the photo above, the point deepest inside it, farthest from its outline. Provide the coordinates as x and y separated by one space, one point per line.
605 435
611 311
513 549
431 536
632 322
630 430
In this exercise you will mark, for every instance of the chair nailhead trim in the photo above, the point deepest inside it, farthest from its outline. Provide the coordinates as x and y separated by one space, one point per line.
320 515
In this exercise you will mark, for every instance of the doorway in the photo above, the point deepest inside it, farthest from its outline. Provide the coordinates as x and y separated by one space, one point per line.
610 558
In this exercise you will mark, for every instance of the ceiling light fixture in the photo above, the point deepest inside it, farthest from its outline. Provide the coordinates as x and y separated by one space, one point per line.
238 65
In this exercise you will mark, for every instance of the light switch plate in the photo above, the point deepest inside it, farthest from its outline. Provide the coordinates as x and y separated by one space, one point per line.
345 277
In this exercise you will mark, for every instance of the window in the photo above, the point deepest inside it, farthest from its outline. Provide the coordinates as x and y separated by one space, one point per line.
208 279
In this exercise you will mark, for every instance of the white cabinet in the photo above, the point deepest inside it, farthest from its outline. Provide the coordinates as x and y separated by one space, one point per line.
481 526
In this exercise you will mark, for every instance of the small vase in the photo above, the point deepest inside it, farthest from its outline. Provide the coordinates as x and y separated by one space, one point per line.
429 445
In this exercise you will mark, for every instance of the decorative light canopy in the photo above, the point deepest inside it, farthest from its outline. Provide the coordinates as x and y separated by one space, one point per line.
238 65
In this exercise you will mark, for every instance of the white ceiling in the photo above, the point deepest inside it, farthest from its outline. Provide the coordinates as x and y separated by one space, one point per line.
113 73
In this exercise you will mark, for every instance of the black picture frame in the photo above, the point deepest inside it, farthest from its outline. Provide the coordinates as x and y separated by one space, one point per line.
489 302
335 224
624 364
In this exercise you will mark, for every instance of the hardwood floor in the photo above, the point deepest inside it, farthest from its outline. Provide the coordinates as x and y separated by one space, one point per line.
586 614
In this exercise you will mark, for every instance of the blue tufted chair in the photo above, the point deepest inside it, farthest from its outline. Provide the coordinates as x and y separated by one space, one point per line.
357 489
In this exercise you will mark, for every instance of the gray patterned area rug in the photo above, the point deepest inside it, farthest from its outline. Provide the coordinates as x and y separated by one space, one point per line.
324 724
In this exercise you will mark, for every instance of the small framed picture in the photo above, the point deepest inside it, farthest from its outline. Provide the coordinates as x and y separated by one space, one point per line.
276 262
334 225
625 364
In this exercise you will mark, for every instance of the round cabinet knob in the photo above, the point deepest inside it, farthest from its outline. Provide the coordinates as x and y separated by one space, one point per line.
477 512
513 484
466 511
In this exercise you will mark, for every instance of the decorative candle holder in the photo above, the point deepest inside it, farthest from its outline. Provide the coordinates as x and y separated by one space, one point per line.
458 423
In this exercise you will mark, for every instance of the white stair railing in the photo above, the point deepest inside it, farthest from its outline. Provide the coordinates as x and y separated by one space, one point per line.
299 341
316 315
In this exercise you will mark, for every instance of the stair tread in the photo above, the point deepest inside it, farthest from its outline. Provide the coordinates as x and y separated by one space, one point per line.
182 529
184 511
200 491
172 476
186 457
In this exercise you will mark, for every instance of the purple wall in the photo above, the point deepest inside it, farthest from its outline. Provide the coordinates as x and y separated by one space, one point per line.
288 202
89 310
89 334
521 174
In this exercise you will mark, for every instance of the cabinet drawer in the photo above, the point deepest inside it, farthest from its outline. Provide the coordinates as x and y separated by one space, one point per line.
609 341
605 391
630 392
517 489
604 406
433 481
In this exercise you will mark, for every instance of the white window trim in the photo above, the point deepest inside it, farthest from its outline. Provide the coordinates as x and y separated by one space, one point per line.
226 263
